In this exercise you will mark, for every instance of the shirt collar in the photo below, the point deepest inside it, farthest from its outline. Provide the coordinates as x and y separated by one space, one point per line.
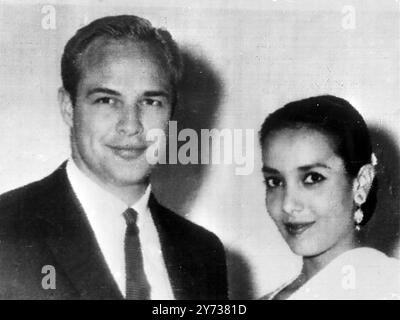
95 199
141 205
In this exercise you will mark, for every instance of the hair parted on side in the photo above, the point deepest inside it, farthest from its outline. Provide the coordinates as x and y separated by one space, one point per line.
122 27
340 122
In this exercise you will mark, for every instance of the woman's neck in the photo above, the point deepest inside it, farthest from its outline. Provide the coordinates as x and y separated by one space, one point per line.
313 264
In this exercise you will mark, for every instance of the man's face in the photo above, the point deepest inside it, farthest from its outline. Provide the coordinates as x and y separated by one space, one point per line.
123 92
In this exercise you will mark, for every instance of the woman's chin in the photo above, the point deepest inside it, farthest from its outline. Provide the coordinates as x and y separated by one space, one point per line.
303 249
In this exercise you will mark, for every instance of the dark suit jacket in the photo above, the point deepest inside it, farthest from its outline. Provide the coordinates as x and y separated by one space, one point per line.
43 224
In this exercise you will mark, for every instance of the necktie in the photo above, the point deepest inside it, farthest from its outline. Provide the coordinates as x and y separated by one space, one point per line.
137 287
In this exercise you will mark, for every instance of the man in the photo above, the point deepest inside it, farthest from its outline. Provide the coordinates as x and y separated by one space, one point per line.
93 229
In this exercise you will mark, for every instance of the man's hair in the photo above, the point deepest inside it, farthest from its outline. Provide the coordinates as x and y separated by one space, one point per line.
338 120
123 27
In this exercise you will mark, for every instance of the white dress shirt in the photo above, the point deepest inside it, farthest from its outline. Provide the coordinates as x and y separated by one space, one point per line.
105 214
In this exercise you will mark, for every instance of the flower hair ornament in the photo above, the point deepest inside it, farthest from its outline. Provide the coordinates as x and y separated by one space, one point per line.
358 214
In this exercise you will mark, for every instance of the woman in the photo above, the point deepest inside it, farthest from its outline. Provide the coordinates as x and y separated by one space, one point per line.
319 172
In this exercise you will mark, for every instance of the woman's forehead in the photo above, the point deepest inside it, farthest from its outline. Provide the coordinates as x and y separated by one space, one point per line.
290 149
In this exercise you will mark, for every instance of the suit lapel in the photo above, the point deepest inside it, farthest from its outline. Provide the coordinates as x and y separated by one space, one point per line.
72 242
177 256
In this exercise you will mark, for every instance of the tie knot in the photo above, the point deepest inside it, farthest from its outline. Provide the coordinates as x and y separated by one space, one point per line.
130 216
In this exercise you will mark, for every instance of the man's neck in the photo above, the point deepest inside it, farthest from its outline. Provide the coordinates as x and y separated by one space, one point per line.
129 194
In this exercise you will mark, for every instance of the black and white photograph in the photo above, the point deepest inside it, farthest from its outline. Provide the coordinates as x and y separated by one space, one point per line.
200 150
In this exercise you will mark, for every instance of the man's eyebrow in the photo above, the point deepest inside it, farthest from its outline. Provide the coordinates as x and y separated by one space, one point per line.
313 166
156 93
103 90
266 169
151 93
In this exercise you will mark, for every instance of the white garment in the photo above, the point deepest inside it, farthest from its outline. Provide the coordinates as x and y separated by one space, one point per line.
105 214
358 274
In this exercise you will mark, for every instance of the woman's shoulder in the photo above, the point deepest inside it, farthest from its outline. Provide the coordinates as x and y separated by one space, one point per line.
370 259
370 274
358 274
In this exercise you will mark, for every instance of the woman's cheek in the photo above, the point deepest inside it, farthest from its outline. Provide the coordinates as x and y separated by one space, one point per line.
274 205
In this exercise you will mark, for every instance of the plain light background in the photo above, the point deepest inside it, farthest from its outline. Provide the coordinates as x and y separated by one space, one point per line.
244 59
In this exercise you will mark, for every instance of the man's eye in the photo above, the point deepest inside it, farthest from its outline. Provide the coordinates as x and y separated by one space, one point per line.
313 178
151 103
106 100
273 182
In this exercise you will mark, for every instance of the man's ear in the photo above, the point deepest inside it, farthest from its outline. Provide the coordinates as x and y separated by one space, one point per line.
363 183
66 106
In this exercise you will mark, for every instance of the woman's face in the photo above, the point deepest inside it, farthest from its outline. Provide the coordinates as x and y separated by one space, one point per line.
308 192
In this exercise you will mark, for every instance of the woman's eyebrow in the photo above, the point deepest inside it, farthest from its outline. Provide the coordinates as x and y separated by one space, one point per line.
313 166
266 169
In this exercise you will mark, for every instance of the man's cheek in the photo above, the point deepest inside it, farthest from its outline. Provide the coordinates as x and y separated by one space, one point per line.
155 120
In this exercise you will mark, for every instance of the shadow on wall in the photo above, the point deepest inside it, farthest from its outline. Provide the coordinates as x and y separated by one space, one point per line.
177 185
239 277
383 231
200 92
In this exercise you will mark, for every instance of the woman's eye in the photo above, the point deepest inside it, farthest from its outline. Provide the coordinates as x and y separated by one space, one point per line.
273 182
313 178
151 103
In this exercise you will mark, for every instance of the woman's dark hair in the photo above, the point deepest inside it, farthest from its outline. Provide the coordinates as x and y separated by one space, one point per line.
337 119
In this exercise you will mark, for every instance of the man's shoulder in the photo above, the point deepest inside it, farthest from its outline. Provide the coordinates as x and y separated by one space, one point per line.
15 196
181 228
25 199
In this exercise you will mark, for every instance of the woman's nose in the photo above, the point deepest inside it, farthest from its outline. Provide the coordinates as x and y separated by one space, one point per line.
292 202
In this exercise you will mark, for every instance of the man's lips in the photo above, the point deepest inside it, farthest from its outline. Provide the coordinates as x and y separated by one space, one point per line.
128 152
297 228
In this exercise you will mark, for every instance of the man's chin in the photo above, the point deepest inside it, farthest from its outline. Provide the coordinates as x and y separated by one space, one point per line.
125 177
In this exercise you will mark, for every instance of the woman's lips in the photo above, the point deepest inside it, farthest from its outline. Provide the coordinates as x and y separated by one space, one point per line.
296 229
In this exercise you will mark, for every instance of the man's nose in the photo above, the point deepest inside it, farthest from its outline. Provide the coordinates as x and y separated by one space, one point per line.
292 202
129 122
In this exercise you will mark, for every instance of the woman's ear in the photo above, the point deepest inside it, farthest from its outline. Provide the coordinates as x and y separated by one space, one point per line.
363 183
66 106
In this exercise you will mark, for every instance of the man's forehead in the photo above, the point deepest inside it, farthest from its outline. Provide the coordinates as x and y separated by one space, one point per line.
104 50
